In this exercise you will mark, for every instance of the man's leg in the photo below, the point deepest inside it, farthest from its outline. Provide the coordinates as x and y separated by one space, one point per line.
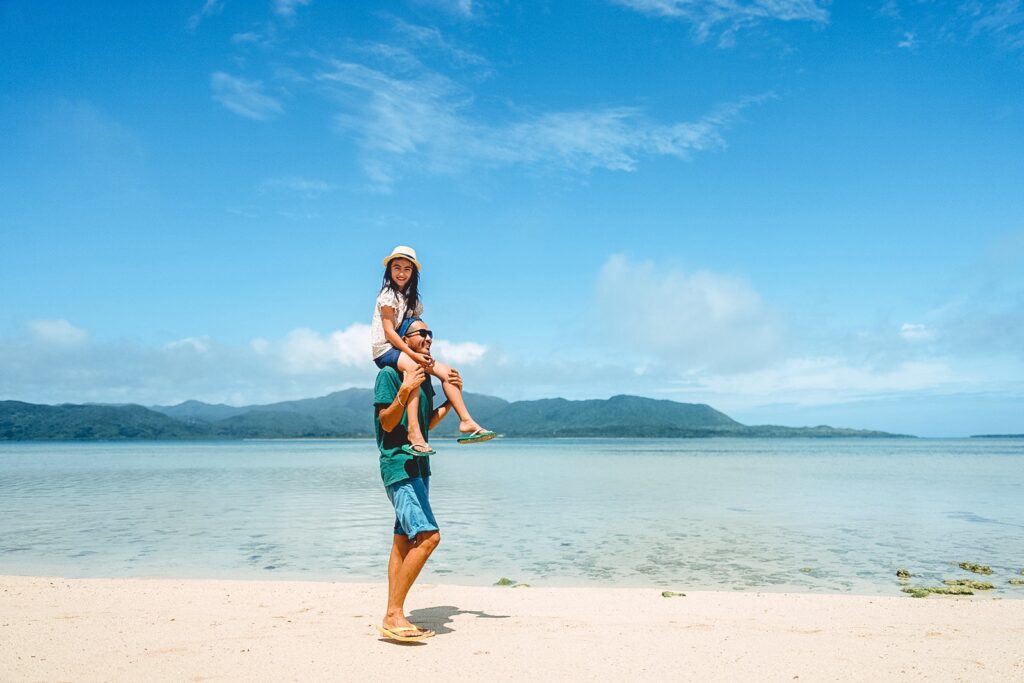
407 559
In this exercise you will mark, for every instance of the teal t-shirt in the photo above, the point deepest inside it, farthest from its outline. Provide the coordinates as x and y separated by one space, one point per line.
396 464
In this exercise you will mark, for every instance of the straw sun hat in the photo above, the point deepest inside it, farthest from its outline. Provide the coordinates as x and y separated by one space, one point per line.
404 252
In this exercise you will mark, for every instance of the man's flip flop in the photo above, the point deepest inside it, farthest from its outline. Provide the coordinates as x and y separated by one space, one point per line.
411 450
396 633
478 436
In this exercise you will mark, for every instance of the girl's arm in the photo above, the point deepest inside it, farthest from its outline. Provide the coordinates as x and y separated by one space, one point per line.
387 316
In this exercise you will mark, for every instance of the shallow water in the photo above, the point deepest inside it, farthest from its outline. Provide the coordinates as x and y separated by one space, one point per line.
807 515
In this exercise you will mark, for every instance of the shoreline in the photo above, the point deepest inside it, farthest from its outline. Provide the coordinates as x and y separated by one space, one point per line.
173 629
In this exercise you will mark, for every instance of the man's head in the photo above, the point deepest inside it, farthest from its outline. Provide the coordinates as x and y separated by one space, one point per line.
418 336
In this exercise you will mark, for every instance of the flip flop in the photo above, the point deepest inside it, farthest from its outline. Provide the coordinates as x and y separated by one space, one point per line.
411 450
478 436
395 633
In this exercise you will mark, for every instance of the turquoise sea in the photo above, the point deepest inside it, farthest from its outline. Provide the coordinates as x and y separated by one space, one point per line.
732 514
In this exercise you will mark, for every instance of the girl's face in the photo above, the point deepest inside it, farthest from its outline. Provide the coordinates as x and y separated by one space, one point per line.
401 271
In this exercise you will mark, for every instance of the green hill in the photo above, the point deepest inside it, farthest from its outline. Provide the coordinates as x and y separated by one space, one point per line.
349 413
20 421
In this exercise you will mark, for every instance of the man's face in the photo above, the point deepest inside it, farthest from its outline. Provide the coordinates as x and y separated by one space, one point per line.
416 341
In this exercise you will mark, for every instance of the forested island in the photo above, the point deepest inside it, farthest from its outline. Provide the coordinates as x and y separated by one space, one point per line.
348 414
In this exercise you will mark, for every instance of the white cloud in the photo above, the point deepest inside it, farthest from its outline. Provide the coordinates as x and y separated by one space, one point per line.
72 368
305 351
826 380
694 322
286 8
59 332
243 97
915 332
196 344
209 8
708 16
423 121
458 353
909 41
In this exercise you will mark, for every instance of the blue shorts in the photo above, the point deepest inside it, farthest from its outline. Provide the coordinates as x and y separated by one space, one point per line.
388 359
412 508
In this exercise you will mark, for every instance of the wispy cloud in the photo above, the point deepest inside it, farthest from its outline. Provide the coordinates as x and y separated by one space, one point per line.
243 97
459 8
958 21
287 8
828 379
727 17
209 8
424 121
190 344
305 187
432 38
1003 20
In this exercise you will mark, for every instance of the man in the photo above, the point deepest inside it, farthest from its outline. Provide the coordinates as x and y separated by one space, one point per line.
407 477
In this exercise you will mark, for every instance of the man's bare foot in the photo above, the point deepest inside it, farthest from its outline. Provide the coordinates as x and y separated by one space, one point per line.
400 622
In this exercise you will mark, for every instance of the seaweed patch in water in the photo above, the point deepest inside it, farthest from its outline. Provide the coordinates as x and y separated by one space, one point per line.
923 591
970 583
976 568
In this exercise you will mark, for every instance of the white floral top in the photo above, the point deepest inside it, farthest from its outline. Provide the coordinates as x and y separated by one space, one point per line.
387 297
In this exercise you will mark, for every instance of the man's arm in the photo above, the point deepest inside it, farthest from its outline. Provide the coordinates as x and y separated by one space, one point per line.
439 413
391 416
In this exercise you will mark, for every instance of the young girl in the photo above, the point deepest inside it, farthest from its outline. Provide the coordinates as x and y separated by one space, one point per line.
399 299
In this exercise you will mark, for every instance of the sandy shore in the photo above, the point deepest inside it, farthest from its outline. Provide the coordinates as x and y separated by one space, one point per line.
131 630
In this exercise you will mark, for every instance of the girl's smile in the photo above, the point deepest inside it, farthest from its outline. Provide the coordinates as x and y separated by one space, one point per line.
401 271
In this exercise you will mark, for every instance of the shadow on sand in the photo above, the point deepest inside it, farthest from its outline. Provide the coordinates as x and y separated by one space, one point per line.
438 618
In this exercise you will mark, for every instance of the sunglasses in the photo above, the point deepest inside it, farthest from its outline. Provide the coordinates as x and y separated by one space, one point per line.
427 334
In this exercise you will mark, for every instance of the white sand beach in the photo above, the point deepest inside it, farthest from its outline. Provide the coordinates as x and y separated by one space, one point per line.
54 629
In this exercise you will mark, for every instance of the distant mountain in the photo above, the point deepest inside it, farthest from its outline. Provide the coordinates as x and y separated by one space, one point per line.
197 411
624 416
349 413
28 421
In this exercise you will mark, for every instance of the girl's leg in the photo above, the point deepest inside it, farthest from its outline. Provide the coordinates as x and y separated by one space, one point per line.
412 408
467 424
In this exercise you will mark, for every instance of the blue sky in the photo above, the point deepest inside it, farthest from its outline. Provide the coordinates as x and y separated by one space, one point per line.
799 212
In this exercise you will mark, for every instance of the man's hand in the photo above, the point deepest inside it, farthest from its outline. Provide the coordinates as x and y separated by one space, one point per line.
424 360
455 379
391 416
413 380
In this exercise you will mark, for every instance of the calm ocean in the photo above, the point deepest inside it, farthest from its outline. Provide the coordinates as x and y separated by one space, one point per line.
733 514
